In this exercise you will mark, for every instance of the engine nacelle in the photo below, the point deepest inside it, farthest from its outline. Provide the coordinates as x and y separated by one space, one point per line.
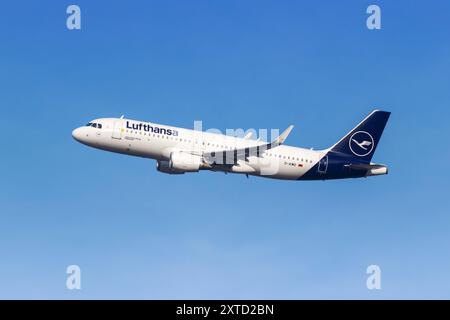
179 163
163 166
185 162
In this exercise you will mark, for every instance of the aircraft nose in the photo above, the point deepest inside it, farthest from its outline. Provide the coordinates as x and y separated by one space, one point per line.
77 134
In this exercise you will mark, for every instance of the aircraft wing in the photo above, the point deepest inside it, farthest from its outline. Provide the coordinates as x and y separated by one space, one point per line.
230 157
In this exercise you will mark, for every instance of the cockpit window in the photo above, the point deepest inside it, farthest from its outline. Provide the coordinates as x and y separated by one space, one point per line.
95 125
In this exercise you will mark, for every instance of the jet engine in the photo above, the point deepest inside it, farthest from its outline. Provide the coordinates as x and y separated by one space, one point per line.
164 167
180 162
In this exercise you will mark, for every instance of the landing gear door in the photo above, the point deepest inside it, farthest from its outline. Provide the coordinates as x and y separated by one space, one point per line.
323 165
117 130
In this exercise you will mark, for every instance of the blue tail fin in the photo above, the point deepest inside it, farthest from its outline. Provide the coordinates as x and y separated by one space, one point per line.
362 141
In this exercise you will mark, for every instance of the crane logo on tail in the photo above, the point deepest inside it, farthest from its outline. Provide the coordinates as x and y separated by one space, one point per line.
361 143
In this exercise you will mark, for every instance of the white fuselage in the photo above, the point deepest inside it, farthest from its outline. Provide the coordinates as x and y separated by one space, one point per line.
155 141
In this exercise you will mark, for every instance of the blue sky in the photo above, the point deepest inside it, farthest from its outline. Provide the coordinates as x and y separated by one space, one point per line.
137 233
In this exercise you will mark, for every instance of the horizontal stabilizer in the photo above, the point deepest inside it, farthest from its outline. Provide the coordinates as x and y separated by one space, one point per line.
372 169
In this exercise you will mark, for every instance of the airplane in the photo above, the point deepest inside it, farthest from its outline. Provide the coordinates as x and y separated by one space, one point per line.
178 150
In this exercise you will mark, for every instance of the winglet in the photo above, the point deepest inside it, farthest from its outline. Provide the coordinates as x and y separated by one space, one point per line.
285 134
282 137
